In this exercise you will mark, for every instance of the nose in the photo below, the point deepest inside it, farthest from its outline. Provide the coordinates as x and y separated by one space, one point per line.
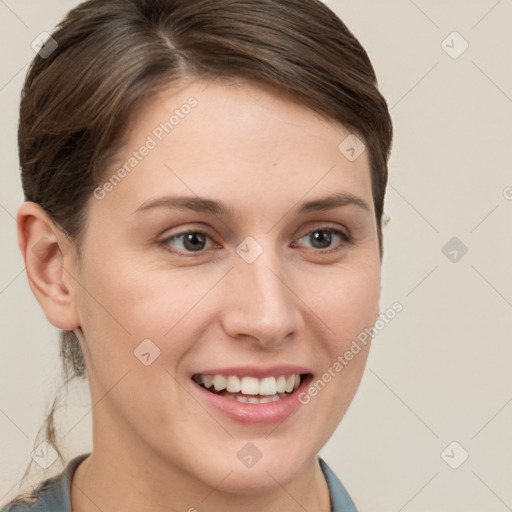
260 304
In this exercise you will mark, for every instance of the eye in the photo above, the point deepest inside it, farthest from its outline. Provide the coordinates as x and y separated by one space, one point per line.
190 241
197 241
322 238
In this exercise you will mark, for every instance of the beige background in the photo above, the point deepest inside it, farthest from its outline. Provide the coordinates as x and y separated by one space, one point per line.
440 371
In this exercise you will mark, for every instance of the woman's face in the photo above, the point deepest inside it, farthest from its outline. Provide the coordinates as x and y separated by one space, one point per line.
256 286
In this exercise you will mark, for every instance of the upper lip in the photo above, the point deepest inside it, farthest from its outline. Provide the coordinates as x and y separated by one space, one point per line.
256 371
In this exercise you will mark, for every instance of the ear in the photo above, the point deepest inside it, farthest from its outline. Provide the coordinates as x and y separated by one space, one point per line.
48 257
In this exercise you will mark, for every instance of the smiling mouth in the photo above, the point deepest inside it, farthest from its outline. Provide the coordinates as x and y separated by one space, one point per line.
250 390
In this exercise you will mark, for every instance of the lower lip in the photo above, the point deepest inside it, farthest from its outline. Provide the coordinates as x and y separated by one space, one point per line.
267 413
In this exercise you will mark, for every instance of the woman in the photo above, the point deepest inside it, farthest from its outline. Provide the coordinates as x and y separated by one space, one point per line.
204 186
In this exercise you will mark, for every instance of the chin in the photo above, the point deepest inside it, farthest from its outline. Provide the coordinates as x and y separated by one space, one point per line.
261 478
258 466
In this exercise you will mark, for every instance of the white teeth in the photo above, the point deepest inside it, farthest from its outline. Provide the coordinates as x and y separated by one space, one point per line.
250 386
281 384
290 382
268 387
253 399
233 384
219 382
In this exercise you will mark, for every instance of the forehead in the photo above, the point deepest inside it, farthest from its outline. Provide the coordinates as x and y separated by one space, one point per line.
237 140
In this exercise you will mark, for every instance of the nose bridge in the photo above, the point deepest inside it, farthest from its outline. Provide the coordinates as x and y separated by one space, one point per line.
262 306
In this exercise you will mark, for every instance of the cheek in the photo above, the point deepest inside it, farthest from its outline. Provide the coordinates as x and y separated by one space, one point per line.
132 301
348 304
346 298
144 301
124 304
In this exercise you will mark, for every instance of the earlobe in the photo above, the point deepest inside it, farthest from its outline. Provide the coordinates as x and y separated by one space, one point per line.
46 252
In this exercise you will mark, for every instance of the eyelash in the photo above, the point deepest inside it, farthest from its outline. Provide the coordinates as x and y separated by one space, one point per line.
346 239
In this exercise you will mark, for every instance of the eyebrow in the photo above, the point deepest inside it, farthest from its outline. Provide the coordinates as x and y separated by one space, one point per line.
205 205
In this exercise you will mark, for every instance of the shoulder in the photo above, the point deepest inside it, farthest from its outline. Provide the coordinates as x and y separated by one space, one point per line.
41 499
52 495
340 499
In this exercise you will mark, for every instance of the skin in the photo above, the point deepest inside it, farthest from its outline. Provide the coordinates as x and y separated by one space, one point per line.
154 446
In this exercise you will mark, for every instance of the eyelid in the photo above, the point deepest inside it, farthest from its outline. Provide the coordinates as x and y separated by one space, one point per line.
164 241
345 236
